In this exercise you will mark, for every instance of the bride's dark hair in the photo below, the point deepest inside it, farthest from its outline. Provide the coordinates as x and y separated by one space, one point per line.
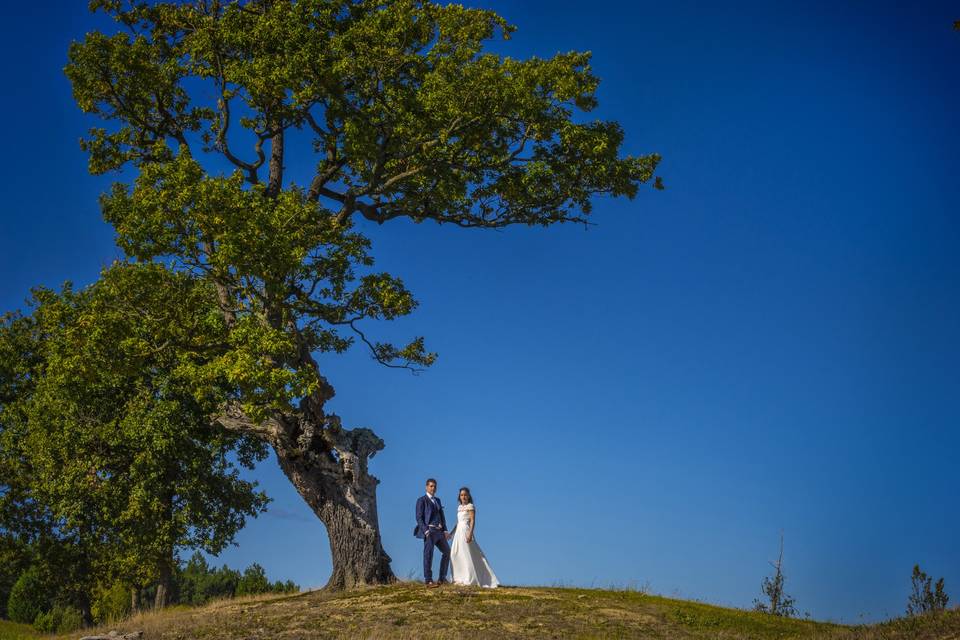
469 495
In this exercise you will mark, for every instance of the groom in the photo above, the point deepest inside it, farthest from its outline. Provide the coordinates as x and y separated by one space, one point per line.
432 527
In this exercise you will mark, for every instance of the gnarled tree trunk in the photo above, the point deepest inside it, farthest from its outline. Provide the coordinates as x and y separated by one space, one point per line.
328 466
329 469
343 495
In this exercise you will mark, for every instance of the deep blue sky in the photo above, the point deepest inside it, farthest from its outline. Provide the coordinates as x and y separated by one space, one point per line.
770 344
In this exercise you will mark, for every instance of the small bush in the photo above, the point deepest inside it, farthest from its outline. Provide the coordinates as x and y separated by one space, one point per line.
924 599
776 602
111 604
47 622
59 620
71 621
197 582
285 587
14 559
28 597
254 581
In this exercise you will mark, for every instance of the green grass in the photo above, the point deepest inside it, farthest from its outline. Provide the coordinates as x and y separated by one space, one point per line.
16 631
408 610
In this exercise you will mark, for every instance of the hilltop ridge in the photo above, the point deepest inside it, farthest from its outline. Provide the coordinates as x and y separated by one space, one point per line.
407 610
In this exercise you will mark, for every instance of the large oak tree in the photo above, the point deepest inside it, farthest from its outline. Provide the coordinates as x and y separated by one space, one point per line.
409 117
108 464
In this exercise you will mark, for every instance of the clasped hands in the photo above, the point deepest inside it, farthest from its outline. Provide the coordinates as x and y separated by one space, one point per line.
447 535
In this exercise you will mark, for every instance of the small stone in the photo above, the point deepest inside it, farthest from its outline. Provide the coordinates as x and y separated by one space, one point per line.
116 635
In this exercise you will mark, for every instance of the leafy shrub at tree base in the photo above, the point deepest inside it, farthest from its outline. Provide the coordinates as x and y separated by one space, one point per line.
111 604
29 597
14 559
59 620
194 583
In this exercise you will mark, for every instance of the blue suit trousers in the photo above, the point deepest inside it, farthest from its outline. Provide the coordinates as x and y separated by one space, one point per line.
435 539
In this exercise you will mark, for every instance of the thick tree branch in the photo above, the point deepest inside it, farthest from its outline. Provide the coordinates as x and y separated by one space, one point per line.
223 116
173 127
275 180
232 418
222 145
397 178
332 163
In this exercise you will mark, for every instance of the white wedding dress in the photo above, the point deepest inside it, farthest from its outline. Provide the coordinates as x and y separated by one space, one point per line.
468 565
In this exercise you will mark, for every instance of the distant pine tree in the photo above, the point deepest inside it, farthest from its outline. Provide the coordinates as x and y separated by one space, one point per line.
254 581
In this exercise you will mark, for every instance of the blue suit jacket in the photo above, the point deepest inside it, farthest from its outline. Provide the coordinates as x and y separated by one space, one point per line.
425 510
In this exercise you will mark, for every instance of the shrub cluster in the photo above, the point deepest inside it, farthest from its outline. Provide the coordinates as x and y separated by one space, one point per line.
925 599
59 620
197 582
35 600
29 597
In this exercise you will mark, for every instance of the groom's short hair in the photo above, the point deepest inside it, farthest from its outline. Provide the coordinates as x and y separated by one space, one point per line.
429 480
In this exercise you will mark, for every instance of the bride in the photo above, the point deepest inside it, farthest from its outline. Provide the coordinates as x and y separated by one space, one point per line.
467 562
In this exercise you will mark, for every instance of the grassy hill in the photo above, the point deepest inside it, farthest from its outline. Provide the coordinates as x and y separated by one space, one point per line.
408 610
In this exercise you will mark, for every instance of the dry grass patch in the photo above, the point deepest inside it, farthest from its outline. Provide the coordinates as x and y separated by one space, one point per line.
408 610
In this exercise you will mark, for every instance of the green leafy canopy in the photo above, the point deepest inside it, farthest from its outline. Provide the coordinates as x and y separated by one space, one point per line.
105 444
410 118
123 404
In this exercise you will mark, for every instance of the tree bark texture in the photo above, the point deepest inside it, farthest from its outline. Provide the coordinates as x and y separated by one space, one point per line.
328 467
163 588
